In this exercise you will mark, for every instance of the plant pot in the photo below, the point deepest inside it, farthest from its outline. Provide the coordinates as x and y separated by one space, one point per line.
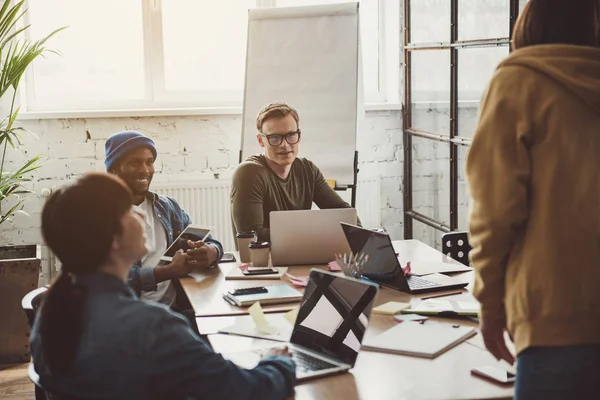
19 274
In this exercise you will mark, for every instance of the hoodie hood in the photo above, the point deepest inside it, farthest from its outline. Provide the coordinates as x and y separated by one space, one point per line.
576 69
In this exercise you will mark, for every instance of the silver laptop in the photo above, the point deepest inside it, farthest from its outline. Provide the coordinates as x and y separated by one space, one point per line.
305 237
329 329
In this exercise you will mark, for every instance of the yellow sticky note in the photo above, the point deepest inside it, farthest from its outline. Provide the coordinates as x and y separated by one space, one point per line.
262 325
291 315
391 308
331 183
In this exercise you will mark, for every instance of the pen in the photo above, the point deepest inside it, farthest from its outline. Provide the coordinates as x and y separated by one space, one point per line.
441 295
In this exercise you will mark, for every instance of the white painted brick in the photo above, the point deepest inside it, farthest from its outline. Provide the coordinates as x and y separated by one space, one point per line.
225 173
391 169
170 164
56 169
99 150
368 169
396 231
396 136
218 159
384 153
168 146
196 162
396 200
391 216
68 149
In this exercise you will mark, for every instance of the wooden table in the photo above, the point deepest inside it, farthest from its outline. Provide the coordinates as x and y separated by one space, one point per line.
375 375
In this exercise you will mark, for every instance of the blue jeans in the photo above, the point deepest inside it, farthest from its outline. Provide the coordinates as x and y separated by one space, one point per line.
557 373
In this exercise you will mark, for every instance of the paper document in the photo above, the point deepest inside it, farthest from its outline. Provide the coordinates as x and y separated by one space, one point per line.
262 325
420 268
390 308
270 326
291 316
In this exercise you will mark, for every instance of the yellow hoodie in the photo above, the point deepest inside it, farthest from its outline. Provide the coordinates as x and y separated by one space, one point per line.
534 178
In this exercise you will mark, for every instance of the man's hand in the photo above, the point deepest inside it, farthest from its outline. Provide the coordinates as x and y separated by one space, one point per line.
201 255
493 337
283 351
179 267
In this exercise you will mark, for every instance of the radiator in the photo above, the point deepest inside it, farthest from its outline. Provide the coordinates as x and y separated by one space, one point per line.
206 202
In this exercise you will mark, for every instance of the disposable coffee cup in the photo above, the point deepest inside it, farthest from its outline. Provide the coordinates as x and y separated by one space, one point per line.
243 240
260 253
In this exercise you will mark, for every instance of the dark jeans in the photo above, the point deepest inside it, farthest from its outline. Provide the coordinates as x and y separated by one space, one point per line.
557 373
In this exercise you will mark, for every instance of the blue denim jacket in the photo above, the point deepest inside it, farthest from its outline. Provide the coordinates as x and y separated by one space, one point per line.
174 220
135 349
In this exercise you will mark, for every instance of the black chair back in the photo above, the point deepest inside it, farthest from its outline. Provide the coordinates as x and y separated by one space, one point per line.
456 245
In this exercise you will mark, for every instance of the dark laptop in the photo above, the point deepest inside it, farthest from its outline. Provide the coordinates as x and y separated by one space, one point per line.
383 266
329 329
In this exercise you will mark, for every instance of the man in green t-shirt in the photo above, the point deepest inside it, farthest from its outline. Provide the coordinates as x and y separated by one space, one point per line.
277 180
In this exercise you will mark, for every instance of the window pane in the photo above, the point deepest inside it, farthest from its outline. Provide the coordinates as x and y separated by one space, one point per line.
369 33
430 21
464 199
476 66
97 62
483 19
430 90
205 44
431 179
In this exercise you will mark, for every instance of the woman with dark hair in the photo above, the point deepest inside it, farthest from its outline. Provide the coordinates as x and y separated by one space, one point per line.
534 177
95 339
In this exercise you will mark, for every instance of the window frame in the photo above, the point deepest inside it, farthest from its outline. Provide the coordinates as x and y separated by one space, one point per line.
157 100
453 138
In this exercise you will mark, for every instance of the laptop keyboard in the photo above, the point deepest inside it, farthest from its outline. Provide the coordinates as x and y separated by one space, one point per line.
414 282
306 362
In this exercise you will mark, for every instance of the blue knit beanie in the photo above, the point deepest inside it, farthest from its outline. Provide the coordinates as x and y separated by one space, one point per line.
118 144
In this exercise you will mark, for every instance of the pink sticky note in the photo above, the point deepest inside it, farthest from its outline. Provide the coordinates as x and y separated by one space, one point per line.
297 280
334 266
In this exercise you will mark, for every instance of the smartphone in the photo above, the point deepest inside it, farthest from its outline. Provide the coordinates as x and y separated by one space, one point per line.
227 257
259 271
495 374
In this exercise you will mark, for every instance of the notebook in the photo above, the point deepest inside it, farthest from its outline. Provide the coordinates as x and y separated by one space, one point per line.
273 294
426 339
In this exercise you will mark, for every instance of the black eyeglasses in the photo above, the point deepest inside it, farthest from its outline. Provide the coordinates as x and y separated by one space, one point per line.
276 139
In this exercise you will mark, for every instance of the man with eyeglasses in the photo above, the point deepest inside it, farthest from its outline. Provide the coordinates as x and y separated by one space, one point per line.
277 180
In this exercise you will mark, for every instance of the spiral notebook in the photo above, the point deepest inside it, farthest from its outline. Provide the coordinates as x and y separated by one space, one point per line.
275 294
426 339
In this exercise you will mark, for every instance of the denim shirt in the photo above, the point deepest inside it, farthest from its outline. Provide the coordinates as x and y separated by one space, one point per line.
136 349
174 220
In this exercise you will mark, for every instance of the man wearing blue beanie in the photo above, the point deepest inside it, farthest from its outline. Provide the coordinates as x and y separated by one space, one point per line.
131 155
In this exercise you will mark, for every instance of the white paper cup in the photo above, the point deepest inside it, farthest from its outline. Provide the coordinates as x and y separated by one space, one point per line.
243 240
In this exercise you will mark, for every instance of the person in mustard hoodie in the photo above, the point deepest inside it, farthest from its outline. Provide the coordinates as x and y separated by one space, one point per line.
534 223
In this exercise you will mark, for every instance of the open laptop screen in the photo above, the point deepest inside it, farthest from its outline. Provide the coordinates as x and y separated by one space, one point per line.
382 262
334 315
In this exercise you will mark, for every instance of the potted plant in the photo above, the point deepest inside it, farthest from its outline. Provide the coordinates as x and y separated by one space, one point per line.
19 265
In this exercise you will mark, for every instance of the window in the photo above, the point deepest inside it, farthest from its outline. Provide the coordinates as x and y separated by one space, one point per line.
452 48
153 54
